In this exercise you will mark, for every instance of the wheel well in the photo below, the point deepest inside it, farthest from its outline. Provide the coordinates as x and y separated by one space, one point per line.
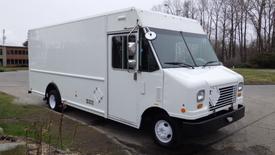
148 115
50 87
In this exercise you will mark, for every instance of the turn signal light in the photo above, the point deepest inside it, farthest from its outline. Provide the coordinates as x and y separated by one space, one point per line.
183 110
239 94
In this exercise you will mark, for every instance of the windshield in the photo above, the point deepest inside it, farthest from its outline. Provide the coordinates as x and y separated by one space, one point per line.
178 49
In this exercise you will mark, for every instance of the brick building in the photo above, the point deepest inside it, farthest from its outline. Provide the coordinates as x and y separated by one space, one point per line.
12 56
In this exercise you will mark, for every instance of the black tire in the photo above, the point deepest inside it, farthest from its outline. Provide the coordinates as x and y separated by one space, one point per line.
54 95
175 128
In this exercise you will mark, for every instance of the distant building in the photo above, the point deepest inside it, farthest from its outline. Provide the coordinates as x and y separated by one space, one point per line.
12 56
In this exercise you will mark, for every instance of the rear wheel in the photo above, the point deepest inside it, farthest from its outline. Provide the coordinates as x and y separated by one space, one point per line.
54 100
166 131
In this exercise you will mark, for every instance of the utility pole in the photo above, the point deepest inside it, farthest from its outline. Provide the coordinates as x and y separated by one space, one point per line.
4 49
4 37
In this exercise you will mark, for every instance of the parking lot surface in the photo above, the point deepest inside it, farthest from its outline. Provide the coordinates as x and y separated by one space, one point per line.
252 135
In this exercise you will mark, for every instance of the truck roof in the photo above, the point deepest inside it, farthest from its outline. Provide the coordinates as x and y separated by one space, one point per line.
149 19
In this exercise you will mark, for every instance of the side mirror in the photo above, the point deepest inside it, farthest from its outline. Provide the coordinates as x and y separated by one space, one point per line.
150 35
132 49
132 64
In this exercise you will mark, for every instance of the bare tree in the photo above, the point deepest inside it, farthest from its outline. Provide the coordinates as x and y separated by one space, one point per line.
255 13
202 7
188 9
273 34
224 30
245 6
268 24
169 6
216 12
228 22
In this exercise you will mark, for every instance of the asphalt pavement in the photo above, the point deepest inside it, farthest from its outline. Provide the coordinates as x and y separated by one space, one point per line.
252 135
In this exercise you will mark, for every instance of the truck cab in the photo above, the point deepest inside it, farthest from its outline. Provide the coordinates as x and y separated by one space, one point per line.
181 84
196 92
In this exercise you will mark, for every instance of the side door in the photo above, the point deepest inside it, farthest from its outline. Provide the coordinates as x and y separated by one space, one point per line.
122 79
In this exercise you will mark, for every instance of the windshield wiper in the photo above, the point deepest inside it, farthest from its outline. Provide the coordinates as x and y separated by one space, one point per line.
181 64
210 62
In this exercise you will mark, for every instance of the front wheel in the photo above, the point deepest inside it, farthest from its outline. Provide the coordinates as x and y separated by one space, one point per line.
166 131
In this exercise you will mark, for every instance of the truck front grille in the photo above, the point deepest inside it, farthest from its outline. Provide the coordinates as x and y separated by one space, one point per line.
227 97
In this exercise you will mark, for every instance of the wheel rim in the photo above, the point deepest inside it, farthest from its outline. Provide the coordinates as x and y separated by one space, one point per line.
163 131
52 101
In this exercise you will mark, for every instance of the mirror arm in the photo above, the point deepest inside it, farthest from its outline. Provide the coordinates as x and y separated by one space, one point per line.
132 30
147 29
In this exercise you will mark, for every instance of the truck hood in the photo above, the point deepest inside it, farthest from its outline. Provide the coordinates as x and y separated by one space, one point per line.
212 75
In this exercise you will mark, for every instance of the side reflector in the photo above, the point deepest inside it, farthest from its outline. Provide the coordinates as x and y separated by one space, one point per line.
199 105
183 110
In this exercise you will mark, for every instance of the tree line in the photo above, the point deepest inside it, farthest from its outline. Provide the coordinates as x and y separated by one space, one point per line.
240 30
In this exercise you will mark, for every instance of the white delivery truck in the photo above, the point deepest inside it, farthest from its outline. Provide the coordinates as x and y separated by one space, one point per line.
136 67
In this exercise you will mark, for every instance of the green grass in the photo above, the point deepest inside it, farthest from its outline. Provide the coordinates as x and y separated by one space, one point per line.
16 128
38 121
10 69
9 110
16 119
257 76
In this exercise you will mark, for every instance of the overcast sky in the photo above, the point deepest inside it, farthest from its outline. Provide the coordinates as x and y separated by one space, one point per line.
18 16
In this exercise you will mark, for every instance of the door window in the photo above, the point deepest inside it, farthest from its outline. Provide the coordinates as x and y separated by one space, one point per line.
119 51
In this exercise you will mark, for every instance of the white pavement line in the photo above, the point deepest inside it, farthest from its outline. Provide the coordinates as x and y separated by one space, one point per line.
9 146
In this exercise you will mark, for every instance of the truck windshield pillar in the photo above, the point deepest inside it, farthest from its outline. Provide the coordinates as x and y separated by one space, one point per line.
147 60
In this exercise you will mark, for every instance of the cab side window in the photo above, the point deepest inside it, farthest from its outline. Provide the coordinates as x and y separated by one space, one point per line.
147 60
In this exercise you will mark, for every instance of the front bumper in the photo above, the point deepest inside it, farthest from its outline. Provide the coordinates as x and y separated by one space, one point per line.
214 121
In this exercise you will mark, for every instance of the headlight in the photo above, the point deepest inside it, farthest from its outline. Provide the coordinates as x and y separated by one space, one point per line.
200 95
240 86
